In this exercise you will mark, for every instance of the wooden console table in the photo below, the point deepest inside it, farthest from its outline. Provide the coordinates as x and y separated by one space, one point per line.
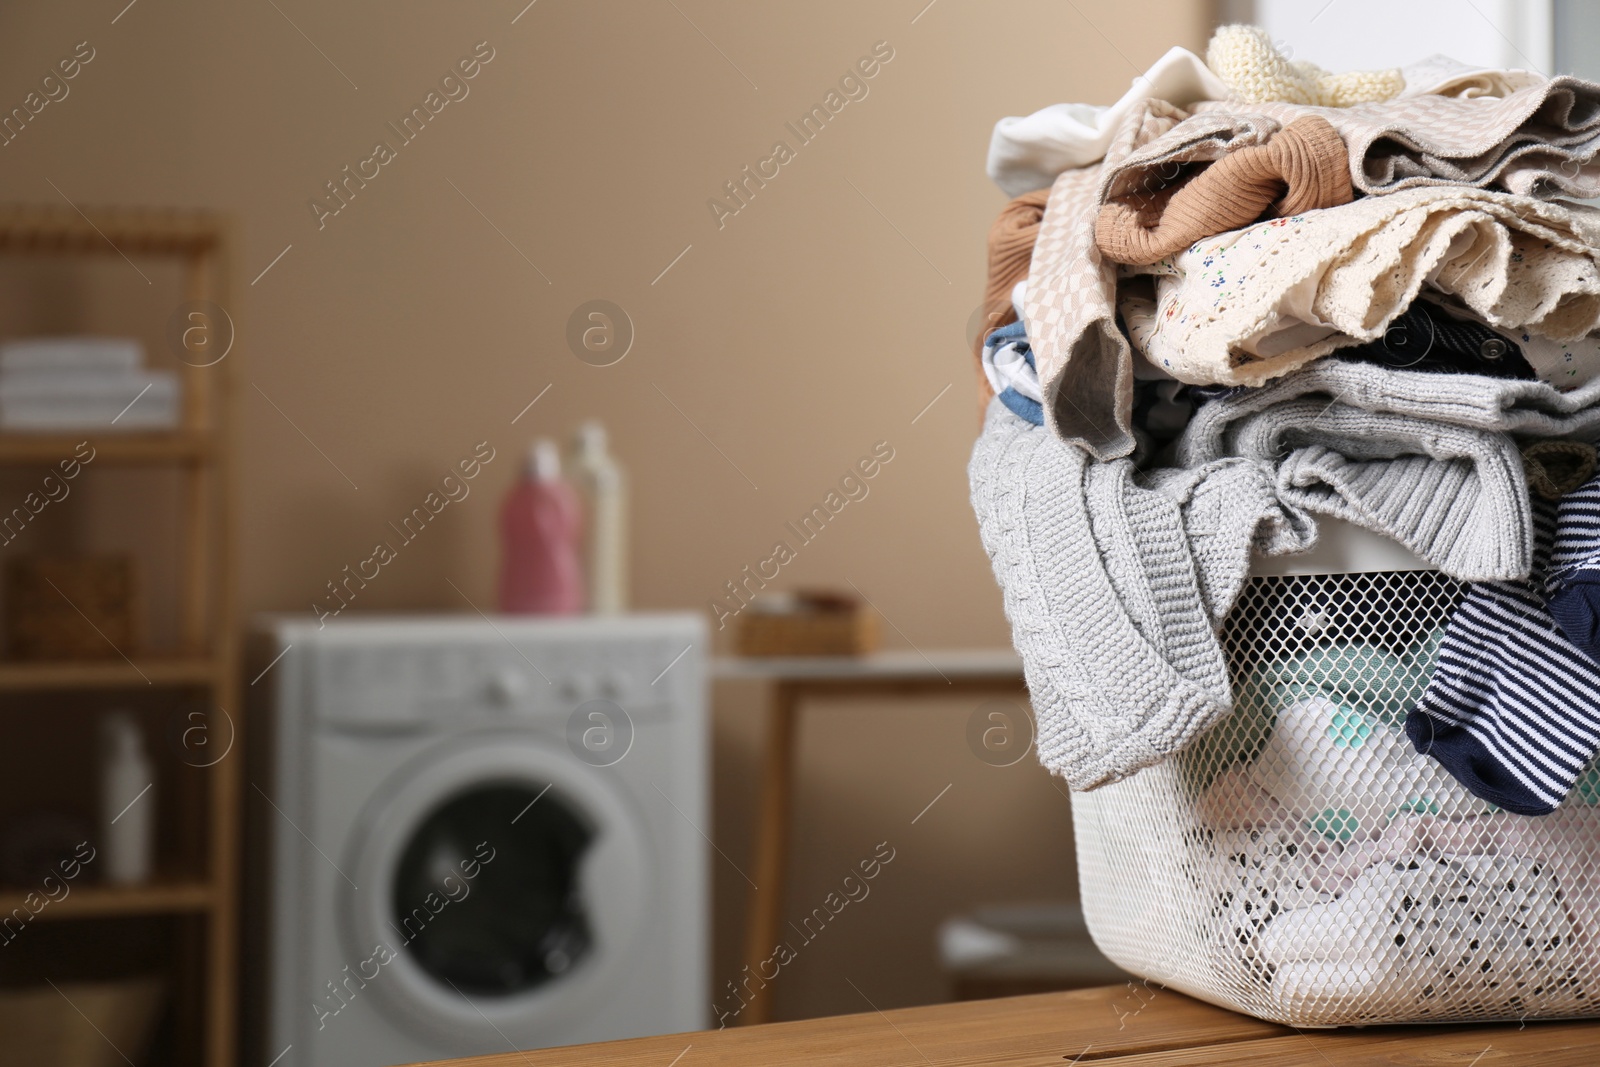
1115 1026
794 680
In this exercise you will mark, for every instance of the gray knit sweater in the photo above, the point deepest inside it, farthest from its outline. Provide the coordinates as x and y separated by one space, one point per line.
1430 460
1114 589
1115 581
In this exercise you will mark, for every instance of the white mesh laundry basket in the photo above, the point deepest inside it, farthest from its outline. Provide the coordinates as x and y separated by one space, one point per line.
1303 864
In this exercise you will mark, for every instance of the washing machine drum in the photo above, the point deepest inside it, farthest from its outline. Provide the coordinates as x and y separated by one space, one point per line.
506 881
529 923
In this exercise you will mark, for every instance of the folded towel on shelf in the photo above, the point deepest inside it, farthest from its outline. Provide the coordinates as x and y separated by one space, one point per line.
109 354
86 386
50 384
120 412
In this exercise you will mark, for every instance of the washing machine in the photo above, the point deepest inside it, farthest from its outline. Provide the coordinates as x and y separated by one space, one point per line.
475 835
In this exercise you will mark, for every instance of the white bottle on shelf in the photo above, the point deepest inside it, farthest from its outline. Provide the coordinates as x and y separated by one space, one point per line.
604 490
127 802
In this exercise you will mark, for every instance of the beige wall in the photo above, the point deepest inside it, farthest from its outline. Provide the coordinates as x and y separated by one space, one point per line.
821 319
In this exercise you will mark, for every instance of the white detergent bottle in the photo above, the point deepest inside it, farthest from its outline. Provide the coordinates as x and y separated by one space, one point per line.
127 802
604 489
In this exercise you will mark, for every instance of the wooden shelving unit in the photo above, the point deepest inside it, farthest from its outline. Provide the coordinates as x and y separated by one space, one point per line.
158 898
109 674
206 659
176 447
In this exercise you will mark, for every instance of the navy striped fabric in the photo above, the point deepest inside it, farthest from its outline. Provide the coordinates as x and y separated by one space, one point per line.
1513 708
1572 589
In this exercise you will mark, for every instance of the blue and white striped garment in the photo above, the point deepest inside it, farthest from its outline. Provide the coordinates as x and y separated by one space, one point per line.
1162 407
1572 588
1008 364
1513 708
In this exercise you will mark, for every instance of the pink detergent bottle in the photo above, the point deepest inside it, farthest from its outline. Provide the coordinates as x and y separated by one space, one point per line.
539 529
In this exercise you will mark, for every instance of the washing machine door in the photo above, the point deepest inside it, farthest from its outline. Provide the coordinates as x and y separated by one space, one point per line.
501 882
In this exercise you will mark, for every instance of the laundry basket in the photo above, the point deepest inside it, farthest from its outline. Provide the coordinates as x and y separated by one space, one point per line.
1302 863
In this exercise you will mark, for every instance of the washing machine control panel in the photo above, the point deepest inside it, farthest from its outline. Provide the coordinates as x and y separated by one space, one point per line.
506 688
438 684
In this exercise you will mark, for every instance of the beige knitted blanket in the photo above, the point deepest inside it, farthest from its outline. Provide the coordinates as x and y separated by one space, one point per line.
1253 304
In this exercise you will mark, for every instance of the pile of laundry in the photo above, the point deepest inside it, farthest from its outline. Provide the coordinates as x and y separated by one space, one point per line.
1251 295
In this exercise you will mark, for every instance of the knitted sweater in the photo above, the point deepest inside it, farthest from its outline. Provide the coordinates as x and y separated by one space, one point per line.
1115 582
1303 168
1427 459
1114 589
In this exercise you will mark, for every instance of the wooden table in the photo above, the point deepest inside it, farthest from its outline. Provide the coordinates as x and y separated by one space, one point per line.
1116 1026
794 680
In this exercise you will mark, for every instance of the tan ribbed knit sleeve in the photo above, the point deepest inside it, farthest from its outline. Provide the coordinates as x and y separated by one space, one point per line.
1304 167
